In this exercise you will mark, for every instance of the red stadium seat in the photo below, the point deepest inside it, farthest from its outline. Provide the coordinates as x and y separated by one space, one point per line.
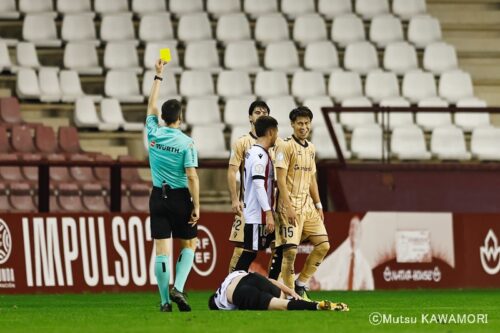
22 142
68 140
9 110
4 141
102 173
139 197
129 175
45 140
81 174
69 198
93 199
20 198
10 173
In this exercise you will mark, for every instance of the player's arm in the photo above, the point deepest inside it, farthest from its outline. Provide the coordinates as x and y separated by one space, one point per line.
286 290
314 192
285 194
153 96
194 190
234 165
258 181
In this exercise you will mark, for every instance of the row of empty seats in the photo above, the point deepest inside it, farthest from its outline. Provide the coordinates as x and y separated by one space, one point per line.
292 8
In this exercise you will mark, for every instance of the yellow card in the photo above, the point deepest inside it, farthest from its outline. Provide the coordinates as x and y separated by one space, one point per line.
165 54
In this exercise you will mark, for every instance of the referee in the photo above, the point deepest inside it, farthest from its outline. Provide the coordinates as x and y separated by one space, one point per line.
174 203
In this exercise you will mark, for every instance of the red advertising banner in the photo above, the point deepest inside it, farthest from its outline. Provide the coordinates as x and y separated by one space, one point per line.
57 253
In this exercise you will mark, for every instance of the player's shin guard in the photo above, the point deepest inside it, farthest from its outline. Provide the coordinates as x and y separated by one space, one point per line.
287 267
162 273
301 305
183 267
246 259
313 261
234 259
275 263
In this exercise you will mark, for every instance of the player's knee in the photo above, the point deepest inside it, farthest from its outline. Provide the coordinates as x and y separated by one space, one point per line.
189 243
289 254
322 248
161 247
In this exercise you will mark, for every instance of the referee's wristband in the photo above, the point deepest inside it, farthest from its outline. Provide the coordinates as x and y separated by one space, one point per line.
318 205
158 78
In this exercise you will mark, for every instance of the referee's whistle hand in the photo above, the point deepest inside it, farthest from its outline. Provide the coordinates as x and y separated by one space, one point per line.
195 216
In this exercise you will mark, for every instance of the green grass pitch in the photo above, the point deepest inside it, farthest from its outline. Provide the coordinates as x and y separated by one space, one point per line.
138 312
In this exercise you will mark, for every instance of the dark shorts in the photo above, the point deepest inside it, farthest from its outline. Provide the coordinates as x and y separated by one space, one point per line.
170 216
254 292
255 237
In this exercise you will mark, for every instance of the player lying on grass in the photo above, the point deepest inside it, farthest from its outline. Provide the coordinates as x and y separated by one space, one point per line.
252 291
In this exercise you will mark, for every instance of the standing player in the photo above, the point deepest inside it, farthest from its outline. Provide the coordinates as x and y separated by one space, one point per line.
300 213
174 203
259 193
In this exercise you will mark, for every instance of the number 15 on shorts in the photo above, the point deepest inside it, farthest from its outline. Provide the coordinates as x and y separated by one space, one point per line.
287 231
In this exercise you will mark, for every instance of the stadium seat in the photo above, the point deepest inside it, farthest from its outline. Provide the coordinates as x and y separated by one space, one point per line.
233 27
282 56
400 58
71 87
203 111
21 140
455 85
153 50
93 199
4 141
45 140
396 119
270 84
156 27
123 85
361 57
79 28
256 8
209 141
236 111
27 56
448 143
185 7
112 116
424 30
142 8
323 143
368 9
333 8
406 9
194 27
343 85
5 62
234 84
122 55
468 121
408 143
440 57
321 57
485 143
139 197
118 28
81 174
346 29
10 174
308 84
240 130
10 113
40 29
294 8
352 120
202 55
4 200
168 87
45 7
285 130
242 56
309 28
106 7
315 104
69 142
431 120
271 28
82 57
85 116
219 8
66 7
280 108
30 173
27 84
380 85
103 173
20 198
129 175
48 81
68 197
386 29
8 10
418 85
196 84
367 142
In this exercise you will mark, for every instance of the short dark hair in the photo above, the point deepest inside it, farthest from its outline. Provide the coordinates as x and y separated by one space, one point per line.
258 104
171 111
211 303
301 111
263 124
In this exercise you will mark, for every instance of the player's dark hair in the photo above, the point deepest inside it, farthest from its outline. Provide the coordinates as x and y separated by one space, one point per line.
171 111
211 303
258 104
301 111
263 124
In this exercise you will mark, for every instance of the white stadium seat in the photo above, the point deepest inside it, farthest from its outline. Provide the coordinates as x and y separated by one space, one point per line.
408 143
48 81
321 57
271 84
309 28
485 143
123 85
193 27
271 28
203 111
424 30
440 57
367 142
145 7
385 29
232 28
280 109
5 62
400 58
74 7
307 84
368 9
237 132
40 29
343 85
122 55
234 84
37 7
218 8
27 86
153 50
406 9
209 141
468 121
112 115
395 119
282 56
202 55
418 85
79 28
156 27
352 120
361 57
168 87
347 29
85 115
236 111
71 87
380 85
118 28
105 7
242 56
196 84
431 120
315 104
27 56
185 7
333 8
448 143
8 10
294 8
82 57
455 85
324 143
256 8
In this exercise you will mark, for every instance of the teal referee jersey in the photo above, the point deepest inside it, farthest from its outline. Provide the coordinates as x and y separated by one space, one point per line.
170 152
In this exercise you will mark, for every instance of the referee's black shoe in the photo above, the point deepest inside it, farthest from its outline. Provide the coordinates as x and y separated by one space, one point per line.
181 299
167 307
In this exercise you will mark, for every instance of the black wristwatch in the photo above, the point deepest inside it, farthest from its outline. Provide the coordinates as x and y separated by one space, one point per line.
158 78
